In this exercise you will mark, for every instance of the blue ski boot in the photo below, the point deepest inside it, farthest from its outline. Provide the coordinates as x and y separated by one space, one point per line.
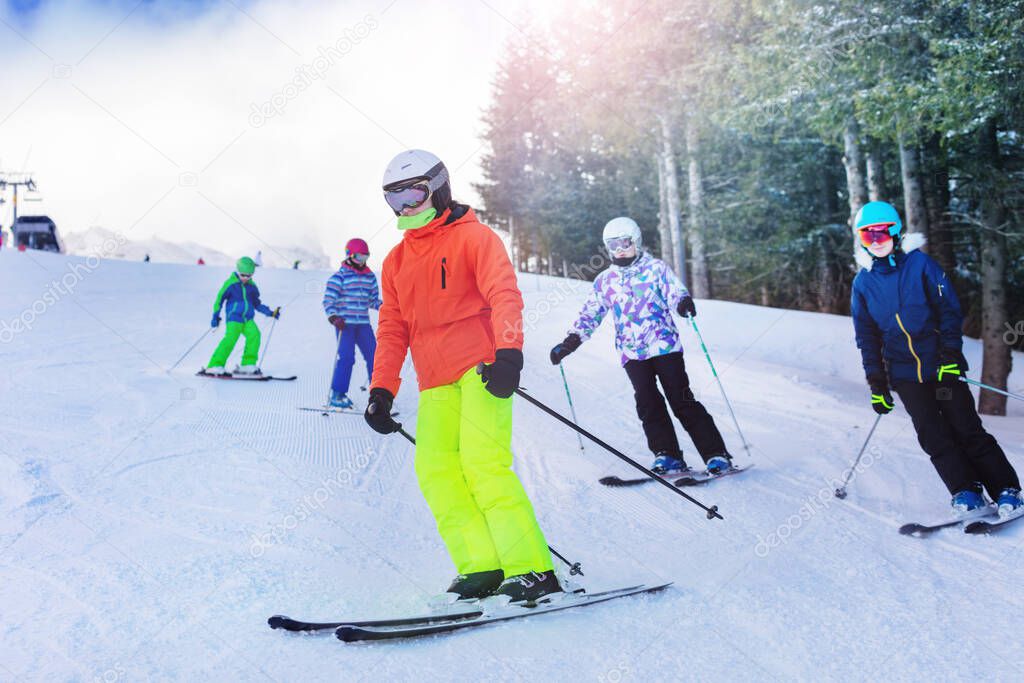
718 464
339 400
967 500
666 463
1009 503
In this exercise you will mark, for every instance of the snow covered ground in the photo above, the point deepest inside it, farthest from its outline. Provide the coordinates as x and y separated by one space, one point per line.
150 521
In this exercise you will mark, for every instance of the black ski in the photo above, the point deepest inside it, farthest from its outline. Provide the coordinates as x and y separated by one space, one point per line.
279 621
247 378
687 477
698 478
354 632
916 529
616 481
329 410
984 527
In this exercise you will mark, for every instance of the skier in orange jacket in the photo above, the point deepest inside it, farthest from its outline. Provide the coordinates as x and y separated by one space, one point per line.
451 298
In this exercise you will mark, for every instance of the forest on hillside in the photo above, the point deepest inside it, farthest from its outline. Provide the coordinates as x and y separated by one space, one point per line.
743 135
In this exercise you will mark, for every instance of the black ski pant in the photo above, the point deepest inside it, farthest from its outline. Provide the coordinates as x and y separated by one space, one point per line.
670 370
950 432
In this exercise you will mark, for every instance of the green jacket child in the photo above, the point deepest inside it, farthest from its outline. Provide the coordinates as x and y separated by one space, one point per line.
241 299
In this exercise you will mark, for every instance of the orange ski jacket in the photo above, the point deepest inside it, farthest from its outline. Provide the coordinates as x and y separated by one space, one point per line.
451 297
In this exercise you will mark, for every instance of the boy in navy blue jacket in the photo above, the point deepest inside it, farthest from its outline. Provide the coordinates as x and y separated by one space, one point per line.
908 325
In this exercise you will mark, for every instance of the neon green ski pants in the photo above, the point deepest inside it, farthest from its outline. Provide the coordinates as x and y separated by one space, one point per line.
464 468
231 333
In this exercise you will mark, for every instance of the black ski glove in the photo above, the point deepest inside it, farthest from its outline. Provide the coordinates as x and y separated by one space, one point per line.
502 376
881 399
686 307
567 346
378 412
952 365
337 321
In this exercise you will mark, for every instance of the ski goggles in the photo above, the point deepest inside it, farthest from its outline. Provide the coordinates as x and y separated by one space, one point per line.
413 192
875 234
359 258
246 276
407 197
618 243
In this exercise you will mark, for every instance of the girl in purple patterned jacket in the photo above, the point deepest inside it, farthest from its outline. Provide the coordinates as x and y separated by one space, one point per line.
641 291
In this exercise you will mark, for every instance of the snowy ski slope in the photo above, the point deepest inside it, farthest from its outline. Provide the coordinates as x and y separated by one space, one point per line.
151 522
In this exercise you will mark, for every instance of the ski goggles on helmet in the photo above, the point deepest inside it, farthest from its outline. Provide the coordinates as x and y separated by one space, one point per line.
407 197
875 234
412 193
618 243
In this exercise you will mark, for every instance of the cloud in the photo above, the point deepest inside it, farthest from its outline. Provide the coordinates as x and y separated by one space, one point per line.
140 116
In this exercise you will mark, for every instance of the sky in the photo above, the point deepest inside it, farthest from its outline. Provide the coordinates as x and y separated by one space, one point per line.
240 124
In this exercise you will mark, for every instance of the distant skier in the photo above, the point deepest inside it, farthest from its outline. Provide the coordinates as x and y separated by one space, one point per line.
641 291
349 294
259 259
241 298
146 259
450 296
295 266
908 326
200 262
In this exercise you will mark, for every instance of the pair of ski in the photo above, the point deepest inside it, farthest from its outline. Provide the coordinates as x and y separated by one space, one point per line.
685 477
246 377
975 522
471 616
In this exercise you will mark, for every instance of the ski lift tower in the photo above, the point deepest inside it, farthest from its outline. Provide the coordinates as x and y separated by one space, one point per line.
14 181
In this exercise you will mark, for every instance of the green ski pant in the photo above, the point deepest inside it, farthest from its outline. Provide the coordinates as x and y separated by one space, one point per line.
252 344
464 468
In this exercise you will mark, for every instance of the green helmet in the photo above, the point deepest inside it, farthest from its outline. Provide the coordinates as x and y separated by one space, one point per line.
245 266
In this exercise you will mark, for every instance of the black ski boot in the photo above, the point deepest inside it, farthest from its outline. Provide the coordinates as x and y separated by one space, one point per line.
529 587
476 585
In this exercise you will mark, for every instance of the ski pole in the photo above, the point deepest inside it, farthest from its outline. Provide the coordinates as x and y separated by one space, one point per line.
572 409
574 567
990 388
208 330
712 511
841 491
693 323
334 366
266 346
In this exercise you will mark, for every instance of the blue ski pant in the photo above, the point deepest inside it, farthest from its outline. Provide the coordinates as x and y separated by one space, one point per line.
349 338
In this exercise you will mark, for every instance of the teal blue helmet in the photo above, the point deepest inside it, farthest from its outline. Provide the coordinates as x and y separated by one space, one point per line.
879 213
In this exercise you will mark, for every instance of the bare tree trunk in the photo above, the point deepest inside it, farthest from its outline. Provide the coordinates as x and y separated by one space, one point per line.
913 193
700 279
827 290
853 162
877 191
664 228
565 269
936 187
997 359
513 246
668 160
551 262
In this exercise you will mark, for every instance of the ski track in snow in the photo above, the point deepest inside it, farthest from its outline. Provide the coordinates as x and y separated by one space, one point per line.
150 522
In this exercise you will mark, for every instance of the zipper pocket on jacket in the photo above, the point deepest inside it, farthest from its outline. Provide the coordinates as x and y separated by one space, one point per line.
444 272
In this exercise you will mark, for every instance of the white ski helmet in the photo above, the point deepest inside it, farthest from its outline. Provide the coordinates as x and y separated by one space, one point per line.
415 164
622 227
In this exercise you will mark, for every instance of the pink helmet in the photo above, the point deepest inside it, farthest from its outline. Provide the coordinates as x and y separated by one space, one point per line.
357 246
